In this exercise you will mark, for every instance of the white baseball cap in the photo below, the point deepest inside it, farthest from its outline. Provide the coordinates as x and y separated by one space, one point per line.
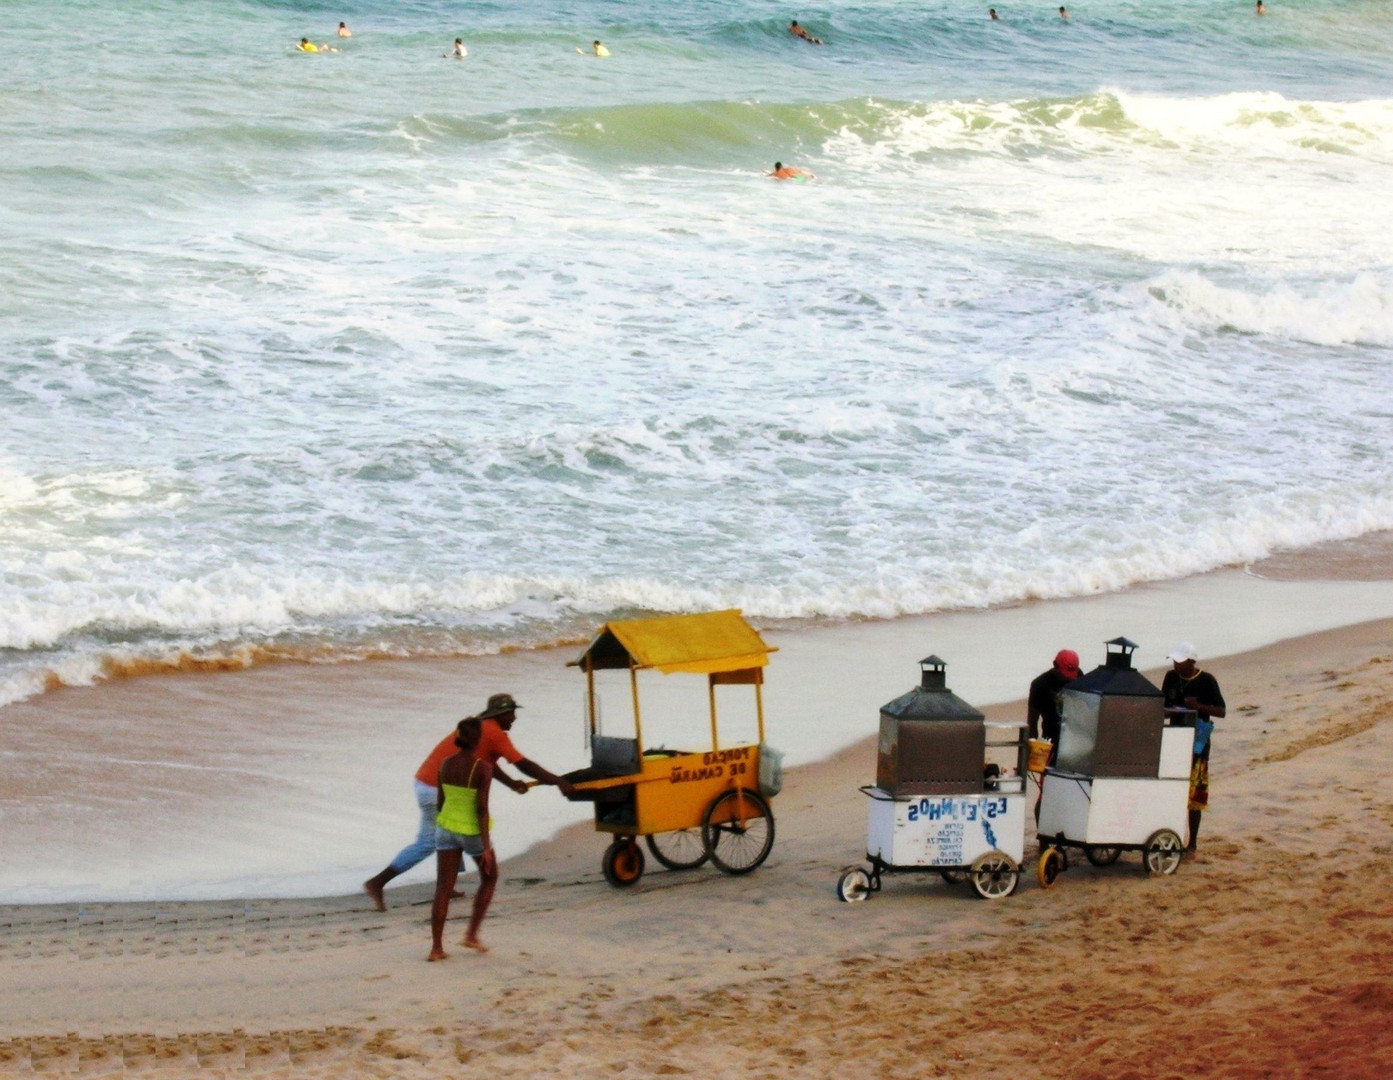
1182 652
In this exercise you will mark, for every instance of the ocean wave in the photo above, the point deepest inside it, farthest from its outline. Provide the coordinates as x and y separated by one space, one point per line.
1354 312
215 626
865 132
1112 122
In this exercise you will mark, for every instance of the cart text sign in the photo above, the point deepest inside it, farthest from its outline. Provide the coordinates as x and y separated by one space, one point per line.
716 765
941 830
942 809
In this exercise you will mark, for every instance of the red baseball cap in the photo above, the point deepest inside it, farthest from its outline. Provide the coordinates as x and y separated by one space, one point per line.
1066 662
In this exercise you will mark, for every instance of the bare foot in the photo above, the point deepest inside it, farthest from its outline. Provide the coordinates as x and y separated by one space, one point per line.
375 895
438 954
459 894
475 944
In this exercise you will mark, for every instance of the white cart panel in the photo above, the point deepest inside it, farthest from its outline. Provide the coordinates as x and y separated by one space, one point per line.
1177 749
1112 811
944 830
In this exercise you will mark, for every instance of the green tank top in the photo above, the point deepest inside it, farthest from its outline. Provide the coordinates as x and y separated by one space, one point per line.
460 814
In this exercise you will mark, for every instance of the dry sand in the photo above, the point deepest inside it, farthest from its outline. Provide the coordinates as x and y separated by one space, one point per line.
1265 956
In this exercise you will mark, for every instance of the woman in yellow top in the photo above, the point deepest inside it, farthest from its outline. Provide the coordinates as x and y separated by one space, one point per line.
462 828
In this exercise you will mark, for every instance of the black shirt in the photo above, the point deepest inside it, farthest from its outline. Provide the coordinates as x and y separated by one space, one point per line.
1203 687
1042 714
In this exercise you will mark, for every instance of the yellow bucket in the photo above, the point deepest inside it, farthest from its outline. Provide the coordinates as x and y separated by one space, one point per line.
1039 755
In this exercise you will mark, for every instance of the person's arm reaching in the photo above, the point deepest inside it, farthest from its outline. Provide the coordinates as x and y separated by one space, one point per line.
532 769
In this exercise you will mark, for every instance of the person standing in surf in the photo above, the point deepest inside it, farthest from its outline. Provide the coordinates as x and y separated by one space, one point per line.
462 828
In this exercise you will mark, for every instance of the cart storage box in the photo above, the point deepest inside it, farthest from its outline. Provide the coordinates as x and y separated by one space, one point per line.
932 742
1110 810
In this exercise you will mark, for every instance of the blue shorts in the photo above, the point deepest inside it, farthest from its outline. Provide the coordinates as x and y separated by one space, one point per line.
445 840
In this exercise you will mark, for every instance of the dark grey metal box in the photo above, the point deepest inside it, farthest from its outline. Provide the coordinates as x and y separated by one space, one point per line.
931 741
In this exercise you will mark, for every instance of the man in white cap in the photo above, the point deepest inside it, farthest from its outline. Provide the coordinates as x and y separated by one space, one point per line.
1185 685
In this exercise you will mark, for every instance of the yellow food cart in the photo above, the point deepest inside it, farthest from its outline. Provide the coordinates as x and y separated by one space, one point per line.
689 806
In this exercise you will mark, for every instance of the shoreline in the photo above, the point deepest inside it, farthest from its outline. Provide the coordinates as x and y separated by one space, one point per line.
276 743
327 985
1365 558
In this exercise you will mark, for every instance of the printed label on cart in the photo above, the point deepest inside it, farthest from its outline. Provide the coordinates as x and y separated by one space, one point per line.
716 765
941 808
945 845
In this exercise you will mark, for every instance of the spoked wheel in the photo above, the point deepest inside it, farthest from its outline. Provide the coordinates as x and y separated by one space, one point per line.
953 877
1101 856
994 875
1050 866
738 831
854 885
680 850
1162 853
623 862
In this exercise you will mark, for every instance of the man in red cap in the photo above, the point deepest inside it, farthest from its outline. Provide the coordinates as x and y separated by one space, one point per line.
1042 709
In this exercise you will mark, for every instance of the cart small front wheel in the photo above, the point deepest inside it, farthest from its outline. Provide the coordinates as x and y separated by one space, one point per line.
1050 866
854 885
1163 853
679 850
623 862
994 875
953 877
738 831
1101 856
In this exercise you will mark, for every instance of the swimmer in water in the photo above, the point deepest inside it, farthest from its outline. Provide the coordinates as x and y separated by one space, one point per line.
1262 8
788 172
993 14
801 32
459 53
1063 12
598 49
344 31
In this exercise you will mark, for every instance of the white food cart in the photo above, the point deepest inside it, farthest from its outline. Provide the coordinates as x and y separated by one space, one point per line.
939 801
1120 781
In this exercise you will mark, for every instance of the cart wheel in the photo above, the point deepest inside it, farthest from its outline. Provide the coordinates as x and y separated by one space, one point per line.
738 831
623 862
994 875
1050 866
1162 853
680 850
953 877
853 885
1101 856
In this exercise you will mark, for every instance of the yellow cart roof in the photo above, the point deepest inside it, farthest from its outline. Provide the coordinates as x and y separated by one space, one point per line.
708 643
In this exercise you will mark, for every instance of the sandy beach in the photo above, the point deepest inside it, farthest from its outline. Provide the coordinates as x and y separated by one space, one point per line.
1264 956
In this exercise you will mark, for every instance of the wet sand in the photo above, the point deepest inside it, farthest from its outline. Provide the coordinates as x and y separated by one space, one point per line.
1366 558
294 779
1265 956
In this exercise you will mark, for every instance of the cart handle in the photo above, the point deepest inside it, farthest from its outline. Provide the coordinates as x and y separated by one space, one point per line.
1016 786
616 781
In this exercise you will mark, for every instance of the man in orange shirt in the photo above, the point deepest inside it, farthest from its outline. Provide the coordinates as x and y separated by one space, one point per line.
498 718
